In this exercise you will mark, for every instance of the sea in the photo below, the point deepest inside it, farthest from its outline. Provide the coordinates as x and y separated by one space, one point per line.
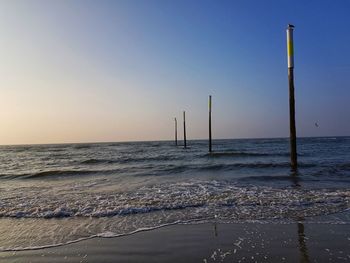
51 195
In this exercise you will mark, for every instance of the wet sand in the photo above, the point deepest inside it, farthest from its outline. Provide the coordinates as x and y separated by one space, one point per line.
246 242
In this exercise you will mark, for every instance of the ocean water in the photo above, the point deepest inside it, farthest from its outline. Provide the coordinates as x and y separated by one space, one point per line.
57 194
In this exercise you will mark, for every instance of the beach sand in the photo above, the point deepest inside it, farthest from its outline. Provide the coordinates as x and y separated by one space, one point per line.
240 242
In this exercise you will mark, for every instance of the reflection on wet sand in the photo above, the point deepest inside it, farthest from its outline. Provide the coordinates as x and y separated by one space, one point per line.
238 245
304 256
215 229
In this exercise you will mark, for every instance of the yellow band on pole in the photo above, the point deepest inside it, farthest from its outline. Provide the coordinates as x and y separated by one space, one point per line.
290 46
290 49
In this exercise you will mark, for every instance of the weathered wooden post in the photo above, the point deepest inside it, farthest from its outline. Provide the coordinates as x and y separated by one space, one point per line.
175 132
184 117
293 141
209 123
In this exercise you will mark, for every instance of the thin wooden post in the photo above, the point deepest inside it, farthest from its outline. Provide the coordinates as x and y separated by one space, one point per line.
293 140
175 132
210 123
184 117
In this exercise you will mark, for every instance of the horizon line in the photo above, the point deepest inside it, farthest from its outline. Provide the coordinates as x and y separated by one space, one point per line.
171 140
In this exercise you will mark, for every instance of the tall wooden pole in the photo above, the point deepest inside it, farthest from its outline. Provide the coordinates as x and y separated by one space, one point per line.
209 123
184 117
293 140
175 132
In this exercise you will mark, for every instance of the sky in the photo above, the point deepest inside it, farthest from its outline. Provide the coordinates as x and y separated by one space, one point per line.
95 71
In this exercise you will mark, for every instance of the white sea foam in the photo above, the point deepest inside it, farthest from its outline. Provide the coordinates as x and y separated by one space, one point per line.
39 220
208 199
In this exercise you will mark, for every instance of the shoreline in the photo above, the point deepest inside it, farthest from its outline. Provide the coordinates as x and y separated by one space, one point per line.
207 242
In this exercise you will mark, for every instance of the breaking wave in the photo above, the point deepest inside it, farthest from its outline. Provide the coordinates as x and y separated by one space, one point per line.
207 198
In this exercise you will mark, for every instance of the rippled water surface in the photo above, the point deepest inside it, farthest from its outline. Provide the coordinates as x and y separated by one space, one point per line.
56 194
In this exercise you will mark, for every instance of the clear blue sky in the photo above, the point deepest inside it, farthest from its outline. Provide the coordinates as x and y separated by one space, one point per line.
75 71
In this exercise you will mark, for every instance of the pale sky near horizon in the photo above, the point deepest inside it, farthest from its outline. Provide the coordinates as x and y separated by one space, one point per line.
88 71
